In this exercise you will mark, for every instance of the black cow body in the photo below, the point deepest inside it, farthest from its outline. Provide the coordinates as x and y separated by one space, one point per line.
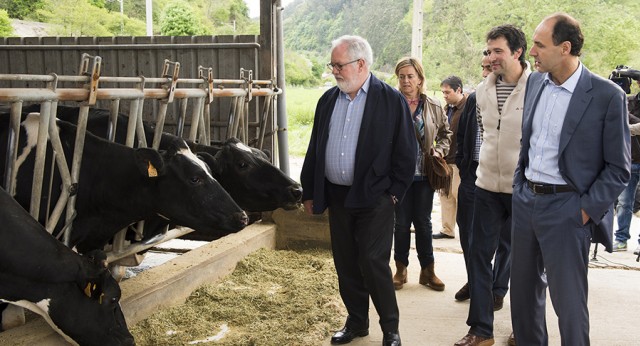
115 189
39 273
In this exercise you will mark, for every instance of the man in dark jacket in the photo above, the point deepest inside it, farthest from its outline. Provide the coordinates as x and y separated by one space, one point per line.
359 164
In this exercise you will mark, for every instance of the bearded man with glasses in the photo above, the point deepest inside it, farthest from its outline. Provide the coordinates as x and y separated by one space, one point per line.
360 161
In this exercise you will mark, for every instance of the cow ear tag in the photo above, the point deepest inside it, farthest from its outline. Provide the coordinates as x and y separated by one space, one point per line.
89 289
151 171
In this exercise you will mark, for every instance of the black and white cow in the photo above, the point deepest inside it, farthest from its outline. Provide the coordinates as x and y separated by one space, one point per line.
246 173
75 294
116 187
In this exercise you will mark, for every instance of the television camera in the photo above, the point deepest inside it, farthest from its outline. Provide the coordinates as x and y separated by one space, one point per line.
623 76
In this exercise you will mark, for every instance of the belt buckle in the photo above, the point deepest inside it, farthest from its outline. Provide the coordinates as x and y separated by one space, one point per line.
535 188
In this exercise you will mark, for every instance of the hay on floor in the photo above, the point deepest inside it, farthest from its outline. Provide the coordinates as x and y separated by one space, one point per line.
271 298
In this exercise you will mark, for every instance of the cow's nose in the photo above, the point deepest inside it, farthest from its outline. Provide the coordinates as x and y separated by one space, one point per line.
241 219
296 192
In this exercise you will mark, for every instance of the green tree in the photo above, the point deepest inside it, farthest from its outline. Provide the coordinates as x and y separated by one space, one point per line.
178 19
5 24
80 18
301 70
21 9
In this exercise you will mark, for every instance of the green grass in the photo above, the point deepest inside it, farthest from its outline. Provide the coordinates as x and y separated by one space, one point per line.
301 106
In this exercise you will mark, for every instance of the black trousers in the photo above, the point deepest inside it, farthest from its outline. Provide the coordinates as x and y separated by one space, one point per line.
361 240
491 235
464 217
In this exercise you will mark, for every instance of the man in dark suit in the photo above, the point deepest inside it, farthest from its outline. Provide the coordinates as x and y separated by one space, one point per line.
574 162
360 161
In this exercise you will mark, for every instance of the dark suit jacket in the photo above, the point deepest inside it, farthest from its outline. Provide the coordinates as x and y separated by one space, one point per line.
385 155
466 139
595 152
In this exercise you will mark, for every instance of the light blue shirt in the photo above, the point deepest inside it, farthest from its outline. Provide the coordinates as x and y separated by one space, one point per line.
344 129
546 128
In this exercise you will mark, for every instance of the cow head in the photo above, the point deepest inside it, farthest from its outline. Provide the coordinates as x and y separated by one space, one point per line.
255 184
188 195
91 315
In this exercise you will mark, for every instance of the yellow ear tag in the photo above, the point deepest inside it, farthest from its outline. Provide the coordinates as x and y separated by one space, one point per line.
152 171
87 290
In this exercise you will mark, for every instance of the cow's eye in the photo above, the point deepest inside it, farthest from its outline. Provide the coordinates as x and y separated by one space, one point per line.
196 180
242 164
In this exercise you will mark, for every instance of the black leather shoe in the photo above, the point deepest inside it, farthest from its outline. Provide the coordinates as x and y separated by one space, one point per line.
346 334
463 294
442 236
498 302
391 339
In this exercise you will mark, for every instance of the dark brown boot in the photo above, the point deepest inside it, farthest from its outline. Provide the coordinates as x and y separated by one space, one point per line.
401 275
428 278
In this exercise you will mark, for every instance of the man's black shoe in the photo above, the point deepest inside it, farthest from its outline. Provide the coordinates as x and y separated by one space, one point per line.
442 236
391 339
497 302
346 334
463 294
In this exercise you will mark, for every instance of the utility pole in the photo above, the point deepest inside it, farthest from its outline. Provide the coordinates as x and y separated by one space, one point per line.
149 15
416 30
121 17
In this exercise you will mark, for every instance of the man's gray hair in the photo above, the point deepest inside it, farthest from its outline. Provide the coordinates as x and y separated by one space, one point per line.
357 48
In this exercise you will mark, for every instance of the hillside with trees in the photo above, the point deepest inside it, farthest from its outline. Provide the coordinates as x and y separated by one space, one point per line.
103 17
454 30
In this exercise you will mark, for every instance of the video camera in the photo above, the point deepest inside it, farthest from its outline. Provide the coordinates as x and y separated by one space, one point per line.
623 75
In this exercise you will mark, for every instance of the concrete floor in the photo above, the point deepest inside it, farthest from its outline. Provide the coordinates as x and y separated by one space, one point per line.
430 318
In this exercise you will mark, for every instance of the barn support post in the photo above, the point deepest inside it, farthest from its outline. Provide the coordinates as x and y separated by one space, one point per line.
283 137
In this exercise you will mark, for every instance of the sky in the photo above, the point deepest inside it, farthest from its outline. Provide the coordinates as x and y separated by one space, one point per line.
254 7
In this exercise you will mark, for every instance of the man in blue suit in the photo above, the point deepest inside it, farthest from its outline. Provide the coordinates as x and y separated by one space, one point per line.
360 161
573 164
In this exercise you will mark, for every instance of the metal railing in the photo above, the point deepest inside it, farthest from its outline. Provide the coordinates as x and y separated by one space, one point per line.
166 89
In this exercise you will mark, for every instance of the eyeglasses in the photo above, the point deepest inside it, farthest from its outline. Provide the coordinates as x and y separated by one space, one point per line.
340 66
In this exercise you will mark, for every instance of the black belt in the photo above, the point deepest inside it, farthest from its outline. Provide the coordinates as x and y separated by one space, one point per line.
546 189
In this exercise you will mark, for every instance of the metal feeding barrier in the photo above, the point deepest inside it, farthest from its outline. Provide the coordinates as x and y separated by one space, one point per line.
165 90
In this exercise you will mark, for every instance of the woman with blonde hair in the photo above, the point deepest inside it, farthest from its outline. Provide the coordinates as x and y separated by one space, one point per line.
433 135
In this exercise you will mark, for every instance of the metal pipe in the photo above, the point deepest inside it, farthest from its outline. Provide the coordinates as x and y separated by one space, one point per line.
11 95
139 247
78 150
266 110
196 115
283 139
41 152
161 116
131 125
114 107
12 148
140 46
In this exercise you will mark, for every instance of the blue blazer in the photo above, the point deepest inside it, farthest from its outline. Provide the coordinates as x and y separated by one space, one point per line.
595 151
385 154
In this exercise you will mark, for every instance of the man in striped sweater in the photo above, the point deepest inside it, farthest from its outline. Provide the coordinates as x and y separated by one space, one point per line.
500 101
